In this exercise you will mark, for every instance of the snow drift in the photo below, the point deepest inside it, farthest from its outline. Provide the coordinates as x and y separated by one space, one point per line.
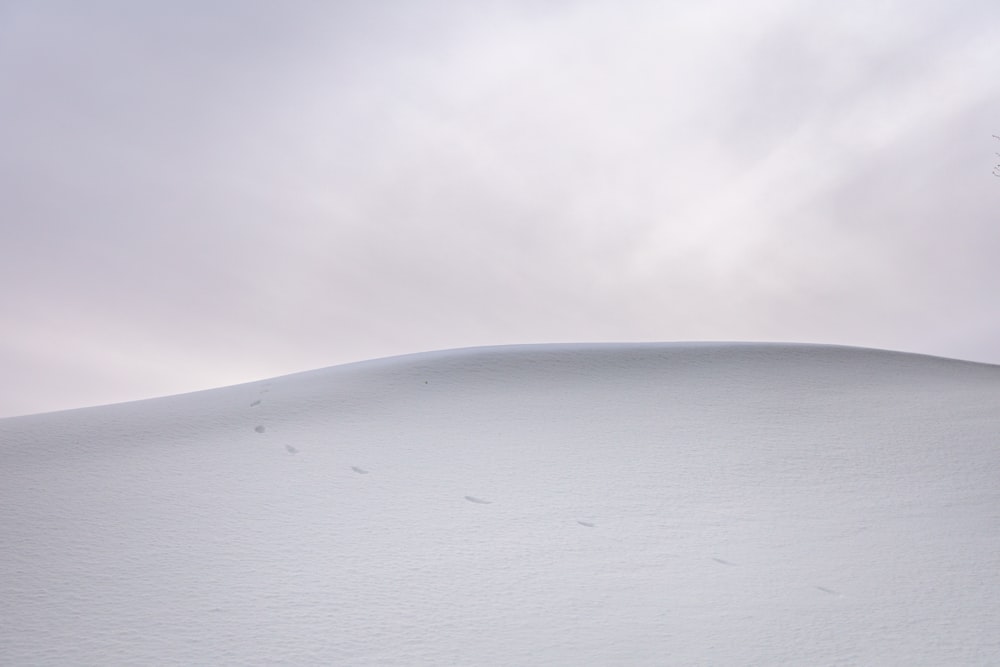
654 504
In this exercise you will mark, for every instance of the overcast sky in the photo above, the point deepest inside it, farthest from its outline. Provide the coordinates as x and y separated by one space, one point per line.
200 193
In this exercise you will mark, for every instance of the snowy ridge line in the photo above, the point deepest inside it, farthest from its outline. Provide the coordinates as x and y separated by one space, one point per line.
577 352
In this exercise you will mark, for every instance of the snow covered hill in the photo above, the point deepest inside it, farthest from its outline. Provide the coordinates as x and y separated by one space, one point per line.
653 504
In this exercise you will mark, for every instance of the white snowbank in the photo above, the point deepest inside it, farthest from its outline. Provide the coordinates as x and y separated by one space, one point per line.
655 504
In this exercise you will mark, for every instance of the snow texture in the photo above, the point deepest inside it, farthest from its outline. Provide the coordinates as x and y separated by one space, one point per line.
648 504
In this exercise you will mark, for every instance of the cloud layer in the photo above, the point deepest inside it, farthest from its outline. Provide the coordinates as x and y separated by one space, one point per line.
198 194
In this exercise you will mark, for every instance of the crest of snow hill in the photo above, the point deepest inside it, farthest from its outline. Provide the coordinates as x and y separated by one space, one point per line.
641 504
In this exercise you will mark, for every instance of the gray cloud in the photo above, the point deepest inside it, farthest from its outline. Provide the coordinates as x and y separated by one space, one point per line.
196 194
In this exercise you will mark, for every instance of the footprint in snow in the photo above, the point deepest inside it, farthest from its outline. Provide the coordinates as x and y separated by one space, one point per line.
255 403
360 471
291 450
479 501
586 523
259 429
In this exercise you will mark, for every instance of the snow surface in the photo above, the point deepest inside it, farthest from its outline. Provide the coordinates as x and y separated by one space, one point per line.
653 504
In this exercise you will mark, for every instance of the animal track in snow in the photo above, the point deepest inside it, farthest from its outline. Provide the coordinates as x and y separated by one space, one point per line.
587 524
479 501
255 403
360 471
259 428
291 450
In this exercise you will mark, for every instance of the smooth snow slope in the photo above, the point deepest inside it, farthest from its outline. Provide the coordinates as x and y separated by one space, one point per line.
665 504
